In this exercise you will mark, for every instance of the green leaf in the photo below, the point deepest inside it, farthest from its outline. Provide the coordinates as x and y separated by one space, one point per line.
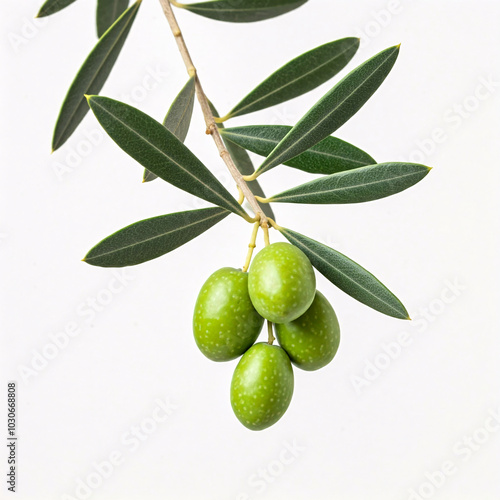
299 76
334 109
329 156
350 277
108 11
151 238
178 117
245 166
92 75
53 6
356 186
158 150
242 11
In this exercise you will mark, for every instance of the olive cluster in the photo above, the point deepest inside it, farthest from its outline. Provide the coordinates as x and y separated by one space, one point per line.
230 312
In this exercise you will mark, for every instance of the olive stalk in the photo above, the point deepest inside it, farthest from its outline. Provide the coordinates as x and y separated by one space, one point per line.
270 336
251 246
266 234
212 128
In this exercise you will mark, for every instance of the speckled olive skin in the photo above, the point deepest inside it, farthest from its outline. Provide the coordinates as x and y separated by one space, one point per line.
281 283
225 323
312 340
262 386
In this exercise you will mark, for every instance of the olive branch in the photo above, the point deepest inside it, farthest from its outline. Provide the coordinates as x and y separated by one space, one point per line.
346 173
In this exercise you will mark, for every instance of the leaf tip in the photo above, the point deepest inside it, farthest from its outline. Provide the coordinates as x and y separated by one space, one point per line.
397 47
40 13
56 144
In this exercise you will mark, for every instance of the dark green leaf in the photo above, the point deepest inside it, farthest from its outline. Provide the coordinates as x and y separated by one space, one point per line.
356 186
245 166
329 156
108 11
348 276
158 150
92 75
53 6
178 117
242 11
299 76
334 109
151 238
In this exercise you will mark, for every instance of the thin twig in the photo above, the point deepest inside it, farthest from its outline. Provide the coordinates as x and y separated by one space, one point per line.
212 127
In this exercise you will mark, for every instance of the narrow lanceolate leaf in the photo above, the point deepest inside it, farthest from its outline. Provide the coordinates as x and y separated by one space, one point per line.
299 76
158 150
245 166
108 11
356 186
334 109
178 117
92 75
329 156
151 238
348 276
53 6
242 11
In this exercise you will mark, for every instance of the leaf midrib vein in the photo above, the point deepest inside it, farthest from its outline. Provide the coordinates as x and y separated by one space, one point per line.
283 153
183 114
164 154
346 188
304 75
142 242
251 9
347 276
115 42
309 151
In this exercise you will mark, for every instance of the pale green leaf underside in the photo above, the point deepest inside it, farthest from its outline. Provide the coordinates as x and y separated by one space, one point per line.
108 11
334 109
245 166
178 117
53 6
151 238
242 11
92 76
158 150
299 76
356 186
329 156
350 277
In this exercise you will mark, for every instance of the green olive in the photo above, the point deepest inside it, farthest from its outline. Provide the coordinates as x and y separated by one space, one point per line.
225 323
262 386
281 282
312 340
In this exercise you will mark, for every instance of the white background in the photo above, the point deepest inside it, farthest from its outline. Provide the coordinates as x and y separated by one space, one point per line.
354 438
